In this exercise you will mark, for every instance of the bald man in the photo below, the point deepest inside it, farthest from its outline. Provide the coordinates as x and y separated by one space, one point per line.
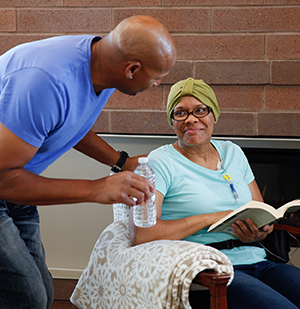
51 93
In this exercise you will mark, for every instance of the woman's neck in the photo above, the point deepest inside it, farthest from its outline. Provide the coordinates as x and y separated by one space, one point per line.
204 155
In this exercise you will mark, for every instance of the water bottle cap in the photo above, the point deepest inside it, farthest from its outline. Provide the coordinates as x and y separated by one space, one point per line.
143 160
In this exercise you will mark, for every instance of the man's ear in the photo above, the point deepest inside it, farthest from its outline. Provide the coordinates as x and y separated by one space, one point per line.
132 68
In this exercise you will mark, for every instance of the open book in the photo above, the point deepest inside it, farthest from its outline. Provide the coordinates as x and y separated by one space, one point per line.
260 213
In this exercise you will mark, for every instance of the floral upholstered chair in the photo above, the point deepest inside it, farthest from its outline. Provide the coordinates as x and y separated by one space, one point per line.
154 275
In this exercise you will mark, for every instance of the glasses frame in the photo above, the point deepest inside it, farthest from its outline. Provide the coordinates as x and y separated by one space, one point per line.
207 108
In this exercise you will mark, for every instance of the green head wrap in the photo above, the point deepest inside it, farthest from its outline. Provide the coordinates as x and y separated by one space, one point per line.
196 88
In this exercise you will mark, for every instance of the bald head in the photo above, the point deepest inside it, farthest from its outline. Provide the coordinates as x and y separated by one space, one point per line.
145 39
133 57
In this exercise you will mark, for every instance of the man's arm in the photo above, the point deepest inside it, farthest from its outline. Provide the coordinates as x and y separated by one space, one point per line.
95 147
20 186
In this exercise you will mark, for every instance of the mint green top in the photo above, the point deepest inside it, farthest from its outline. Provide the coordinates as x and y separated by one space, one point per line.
190 189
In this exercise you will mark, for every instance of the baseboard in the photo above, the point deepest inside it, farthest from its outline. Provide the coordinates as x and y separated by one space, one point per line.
65 273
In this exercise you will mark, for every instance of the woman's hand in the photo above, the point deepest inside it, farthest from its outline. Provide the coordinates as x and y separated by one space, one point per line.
248 232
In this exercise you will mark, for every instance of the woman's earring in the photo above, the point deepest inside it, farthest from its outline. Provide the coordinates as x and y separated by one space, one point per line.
130 77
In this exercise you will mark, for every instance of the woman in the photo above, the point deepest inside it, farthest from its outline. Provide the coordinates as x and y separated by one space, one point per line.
192 194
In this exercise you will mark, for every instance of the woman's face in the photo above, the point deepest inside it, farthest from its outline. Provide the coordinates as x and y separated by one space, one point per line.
193 131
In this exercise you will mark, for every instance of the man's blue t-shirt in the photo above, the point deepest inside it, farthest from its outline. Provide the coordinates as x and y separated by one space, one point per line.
47 97
190 189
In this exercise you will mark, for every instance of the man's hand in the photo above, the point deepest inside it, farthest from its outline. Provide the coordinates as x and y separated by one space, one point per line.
121 188
248 232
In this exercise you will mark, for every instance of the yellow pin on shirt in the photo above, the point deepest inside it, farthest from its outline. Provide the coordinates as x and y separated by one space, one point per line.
228 178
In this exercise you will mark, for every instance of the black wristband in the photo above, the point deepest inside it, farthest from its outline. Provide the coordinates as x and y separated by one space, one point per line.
118 166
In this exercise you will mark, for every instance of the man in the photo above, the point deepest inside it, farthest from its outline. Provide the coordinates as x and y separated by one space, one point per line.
51 93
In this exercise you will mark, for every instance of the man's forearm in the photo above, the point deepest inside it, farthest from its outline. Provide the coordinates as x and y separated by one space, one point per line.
22 187
95 147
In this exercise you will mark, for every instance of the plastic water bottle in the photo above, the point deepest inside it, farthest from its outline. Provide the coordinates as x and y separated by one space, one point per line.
120 210
144 215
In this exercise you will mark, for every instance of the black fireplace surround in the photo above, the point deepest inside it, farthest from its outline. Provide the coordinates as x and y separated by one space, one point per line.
276 166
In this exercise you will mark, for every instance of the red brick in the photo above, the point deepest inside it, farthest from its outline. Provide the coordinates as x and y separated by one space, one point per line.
282 98
181 70
285 73
140 122
212 2
256 19
279 124
166 93
64 20
215 47
7 20
283 46
239 97
102 124
244 98
149 99
9 41
248 51
239 72
27 3
288 2
175 20
112 3
235 124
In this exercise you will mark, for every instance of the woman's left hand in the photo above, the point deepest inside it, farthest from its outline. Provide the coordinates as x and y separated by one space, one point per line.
248 232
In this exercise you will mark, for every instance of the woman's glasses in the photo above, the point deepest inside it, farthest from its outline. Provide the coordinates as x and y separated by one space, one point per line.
182 115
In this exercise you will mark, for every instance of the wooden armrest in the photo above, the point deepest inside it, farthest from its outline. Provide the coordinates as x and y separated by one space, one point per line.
291 229
217 285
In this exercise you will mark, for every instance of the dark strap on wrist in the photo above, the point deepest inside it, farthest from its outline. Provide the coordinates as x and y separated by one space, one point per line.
118 166
232 243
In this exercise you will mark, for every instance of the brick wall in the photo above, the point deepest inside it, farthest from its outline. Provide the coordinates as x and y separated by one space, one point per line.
248 51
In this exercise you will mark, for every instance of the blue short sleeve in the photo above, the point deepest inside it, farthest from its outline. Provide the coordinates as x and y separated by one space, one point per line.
30 112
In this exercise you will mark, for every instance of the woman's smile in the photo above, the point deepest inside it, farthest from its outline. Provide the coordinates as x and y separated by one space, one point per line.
192 130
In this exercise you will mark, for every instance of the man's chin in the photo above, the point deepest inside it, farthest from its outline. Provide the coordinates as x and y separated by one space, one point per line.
129 92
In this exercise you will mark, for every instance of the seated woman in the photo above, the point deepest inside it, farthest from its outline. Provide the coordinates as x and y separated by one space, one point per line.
192 194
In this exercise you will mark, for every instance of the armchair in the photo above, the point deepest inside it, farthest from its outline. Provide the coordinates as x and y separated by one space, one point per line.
295 231
157 274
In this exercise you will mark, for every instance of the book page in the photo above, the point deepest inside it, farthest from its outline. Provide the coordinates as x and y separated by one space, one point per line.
260 213
249 205
266 215
260 217
288 208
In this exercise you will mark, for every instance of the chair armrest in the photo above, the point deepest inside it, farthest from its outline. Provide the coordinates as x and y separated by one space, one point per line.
295 231
217 285
154 273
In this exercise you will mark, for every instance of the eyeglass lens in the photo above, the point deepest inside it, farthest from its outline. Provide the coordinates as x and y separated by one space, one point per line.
182 115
